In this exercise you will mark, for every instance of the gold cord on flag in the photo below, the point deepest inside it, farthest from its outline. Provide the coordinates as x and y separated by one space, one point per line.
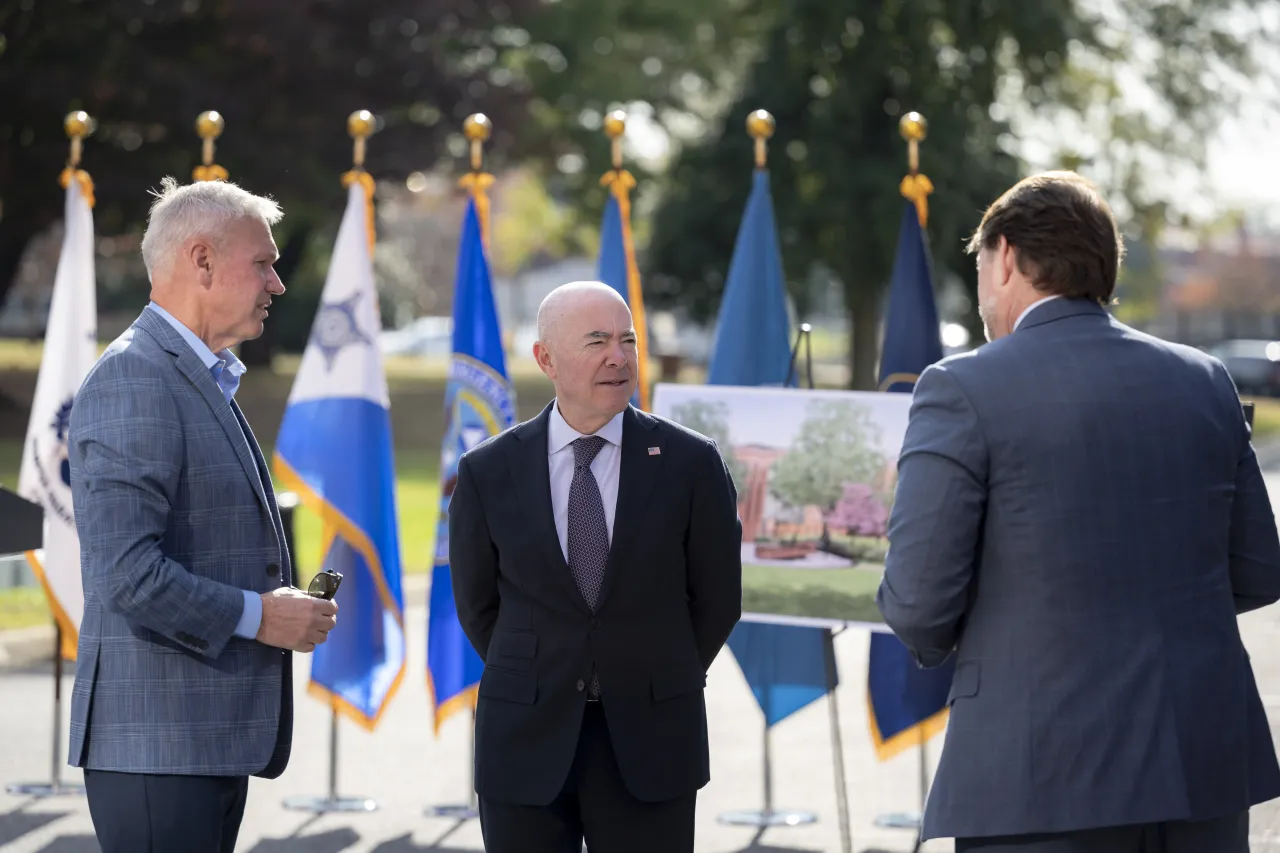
209 125
915 187
78 125
477 128
361 125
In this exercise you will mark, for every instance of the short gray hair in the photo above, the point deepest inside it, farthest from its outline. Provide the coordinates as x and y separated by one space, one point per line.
204 208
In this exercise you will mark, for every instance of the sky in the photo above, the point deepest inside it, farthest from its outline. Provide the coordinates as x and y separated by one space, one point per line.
771 416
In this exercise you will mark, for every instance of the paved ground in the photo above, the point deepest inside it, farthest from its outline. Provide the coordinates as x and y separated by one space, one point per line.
405 769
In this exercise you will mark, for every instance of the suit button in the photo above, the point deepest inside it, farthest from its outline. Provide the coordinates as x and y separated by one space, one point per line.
273 570
595 623
581 685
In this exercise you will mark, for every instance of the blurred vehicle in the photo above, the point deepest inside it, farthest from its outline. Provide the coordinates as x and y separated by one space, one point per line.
1254 365
425 336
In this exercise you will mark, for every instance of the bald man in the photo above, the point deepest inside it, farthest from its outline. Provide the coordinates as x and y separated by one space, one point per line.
596 561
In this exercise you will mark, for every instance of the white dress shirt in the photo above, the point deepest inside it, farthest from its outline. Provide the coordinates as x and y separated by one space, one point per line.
1033 307
606 467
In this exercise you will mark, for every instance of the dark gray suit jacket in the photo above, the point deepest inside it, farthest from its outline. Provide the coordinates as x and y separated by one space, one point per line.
1080 517
176 516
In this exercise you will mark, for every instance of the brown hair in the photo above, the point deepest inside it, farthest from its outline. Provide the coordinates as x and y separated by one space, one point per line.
1064 234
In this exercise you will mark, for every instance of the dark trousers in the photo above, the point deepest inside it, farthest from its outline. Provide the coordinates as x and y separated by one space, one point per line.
594 806
134 812
1228 834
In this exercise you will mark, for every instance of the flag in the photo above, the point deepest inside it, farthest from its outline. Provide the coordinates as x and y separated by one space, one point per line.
479 402
753 339
617 268
784 665
907 705
70 349
335 451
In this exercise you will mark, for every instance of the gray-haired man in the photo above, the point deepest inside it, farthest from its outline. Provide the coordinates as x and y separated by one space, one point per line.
183 675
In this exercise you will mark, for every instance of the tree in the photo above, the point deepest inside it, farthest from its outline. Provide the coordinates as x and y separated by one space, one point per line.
284 73
712 420
838 75
860 511
838 443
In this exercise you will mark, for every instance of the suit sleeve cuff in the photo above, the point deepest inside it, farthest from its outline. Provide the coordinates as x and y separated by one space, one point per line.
251 618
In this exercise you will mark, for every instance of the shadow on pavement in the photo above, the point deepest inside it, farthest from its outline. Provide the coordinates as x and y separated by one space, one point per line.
72 844
333 841
17 823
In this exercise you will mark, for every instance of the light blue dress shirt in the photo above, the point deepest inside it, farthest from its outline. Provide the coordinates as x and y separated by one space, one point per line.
226 370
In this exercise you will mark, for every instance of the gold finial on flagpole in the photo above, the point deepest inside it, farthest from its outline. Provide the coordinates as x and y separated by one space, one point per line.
915 186
209 126
477 129
760 125
615 125
914 129
360 125
78 125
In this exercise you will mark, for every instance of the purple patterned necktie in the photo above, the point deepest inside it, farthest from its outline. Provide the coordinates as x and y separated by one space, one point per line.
588 533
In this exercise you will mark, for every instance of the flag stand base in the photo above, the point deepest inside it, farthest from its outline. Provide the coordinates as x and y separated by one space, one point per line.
40 790
767 818
332 802
899 820
458 812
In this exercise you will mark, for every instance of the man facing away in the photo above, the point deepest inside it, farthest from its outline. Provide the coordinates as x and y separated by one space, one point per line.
183 674
1080 517
595 553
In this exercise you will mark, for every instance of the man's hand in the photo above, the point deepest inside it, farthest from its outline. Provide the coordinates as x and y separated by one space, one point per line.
291 619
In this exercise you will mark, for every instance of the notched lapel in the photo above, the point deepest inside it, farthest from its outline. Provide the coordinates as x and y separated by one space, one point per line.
532 474
637 478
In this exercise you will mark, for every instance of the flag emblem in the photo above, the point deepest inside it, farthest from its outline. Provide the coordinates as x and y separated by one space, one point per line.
654 451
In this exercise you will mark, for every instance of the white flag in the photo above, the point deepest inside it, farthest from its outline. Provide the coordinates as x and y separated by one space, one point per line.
70 350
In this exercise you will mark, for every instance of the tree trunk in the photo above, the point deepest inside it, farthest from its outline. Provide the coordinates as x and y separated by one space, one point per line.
864 348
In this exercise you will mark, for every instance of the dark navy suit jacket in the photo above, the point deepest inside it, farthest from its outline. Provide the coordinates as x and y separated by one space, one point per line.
1079 518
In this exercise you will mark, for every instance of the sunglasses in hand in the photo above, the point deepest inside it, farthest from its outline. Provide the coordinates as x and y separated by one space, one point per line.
325 585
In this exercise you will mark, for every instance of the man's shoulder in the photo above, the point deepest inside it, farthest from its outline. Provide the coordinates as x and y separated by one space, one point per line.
132 357
495 447
677 434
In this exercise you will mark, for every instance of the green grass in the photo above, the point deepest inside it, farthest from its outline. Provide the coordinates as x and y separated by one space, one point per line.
23 607
822 593
1266 417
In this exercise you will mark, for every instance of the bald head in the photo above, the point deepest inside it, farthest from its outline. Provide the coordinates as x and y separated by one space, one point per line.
587 347
569 299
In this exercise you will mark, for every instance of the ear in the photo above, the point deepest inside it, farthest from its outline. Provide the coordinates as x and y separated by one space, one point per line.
542 355
200 256
1006 262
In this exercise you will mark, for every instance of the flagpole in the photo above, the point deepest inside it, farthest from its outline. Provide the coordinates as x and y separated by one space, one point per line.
360 125
477 129
915 188
78 125
209 126
760 126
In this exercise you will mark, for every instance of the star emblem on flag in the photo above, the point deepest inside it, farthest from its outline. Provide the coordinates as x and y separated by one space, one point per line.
336 328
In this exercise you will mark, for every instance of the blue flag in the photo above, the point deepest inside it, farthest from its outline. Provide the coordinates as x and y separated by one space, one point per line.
479 402
907 705
334 450
617 268
785 665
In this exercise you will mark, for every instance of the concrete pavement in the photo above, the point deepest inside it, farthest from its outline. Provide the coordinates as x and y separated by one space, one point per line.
406 769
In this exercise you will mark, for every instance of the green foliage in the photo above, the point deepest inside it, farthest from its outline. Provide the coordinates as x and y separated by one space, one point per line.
838 443
712 420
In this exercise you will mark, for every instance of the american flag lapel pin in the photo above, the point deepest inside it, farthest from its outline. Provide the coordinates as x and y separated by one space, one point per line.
654 451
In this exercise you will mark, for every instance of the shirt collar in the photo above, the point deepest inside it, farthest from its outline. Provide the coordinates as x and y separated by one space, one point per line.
226 363
1033 306
560 435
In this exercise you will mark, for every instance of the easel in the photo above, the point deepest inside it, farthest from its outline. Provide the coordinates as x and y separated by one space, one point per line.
21 531
767 816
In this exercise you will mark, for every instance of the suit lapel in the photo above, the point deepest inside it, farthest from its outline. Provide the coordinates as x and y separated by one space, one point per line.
530 468
190 365
639 475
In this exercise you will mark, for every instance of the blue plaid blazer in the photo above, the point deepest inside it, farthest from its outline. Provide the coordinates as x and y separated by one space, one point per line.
176 517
